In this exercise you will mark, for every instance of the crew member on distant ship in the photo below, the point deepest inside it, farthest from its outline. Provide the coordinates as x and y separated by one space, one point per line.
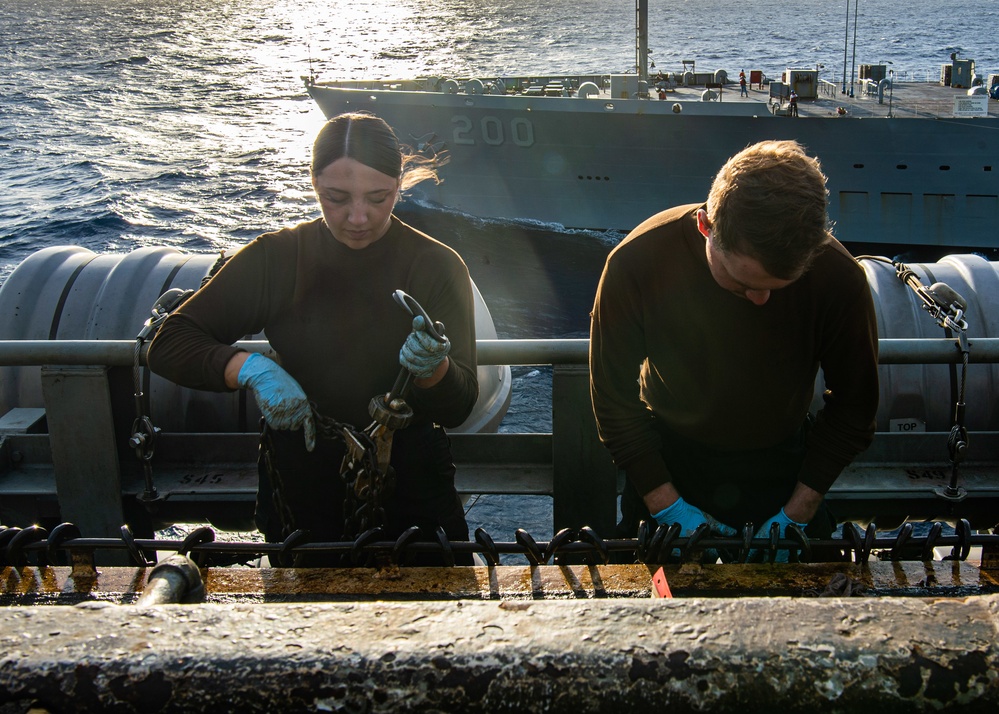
709 326
743 90
322 291
792 105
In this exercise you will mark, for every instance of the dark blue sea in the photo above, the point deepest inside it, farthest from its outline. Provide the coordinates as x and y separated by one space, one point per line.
185 123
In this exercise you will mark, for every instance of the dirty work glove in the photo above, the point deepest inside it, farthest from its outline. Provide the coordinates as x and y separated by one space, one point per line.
421 354
690 517
279 396
783 521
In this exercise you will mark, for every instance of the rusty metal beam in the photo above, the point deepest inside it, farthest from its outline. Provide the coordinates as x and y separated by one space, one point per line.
938 578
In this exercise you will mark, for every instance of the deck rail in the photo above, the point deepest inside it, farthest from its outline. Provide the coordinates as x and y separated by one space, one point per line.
512 352
830 89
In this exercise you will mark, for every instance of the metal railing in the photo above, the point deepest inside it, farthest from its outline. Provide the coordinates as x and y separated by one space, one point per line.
522 352
830 89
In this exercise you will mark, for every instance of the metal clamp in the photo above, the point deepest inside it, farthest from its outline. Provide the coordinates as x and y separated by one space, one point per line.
941 301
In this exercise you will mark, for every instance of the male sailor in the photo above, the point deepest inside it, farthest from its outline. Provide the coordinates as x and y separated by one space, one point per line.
709 326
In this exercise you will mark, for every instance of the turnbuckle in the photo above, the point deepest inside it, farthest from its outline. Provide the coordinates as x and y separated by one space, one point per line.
143 442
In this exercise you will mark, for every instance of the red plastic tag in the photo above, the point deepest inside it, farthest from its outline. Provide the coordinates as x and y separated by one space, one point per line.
660 588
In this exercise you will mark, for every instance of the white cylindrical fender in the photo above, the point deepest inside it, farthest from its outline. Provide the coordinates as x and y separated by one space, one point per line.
919 397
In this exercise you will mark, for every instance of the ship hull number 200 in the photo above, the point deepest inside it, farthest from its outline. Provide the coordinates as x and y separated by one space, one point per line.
492 131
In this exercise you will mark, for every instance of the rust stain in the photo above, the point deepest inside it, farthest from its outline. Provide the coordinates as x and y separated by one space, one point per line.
935 578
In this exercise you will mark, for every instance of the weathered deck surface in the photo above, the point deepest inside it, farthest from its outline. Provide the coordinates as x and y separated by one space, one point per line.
582 652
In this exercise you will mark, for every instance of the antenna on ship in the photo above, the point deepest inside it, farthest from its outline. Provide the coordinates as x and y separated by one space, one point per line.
312 72
642 40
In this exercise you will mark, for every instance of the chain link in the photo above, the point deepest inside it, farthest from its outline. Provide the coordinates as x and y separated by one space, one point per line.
366 485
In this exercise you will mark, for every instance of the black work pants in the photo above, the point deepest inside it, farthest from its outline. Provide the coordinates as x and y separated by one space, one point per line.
310 490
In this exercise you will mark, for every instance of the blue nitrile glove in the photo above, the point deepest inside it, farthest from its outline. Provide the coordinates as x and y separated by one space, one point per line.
783 521
279 396
690 517
421 354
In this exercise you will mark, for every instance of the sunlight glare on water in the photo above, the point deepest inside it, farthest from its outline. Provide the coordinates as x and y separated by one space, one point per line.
186 123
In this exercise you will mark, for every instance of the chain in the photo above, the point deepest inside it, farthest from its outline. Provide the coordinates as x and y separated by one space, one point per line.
947 308
367 486
285 514
367 473
142 438
364 485
957 440
364 482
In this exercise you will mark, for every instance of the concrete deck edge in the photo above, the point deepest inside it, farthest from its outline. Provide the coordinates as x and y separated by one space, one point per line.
821 654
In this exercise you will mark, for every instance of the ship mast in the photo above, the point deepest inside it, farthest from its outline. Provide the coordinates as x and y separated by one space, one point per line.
642 39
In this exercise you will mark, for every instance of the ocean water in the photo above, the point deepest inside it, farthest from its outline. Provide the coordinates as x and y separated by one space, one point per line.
186 123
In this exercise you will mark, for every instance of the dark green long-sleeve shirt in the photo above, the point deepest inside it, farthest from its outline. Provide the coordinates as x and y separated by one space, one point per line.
665 338
327 310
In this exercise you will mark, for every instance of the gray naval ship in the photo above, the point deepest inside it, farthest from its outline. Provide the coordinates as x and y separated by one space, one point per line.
910 163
